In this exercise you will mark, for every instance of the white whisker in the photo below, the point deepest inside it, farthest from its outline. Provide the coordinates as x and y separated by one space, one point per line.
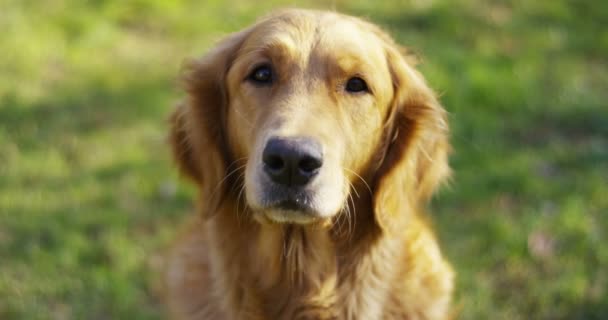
238 203
219 184
361 178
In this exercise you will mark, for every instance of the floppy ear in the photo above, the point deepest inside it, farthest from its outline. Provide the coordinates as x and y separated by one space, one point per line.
197 133
415 160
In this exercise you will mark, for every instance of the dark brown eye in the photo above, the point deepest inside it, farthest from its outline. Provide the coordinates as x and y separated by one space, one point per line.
356 84
261 75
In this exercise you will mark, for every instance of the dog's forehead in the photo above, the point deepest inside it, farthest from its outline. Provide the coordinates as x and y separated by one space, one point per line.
300 34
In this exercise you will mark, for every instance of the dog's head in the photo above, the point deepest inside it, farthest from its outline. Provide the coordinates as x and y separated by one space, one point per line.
295 110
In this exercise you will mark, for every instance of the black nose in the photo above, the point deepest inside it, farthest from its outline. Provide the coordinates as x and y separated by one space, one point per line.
292 161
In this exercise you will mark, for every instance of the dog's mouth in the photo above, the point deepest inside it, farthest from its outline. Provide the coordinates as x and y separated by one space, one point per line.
288 205
276 203
293 205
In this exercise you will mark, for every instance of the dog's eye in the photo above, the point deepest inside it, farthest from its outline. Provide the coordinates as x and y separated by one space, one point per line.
261 75
356 84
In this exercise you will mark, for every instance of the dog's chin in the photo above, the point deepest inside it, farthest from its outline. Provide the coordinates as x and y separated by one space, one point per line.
288 212
290 216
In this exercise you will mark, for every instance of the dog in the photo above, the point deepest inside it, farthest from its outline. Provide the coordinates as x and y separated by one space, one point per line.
314 144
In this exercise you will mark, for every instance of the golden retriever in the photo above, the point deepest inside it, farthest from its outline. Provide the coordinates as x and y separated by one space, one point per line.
314 144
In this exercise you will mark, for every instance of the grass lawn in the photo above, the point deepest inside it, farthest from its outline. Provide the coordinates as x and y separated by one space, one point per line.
89 197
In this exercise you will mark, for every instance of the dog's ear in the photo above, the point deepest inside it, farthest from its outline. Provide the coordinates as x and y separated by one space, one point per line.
197 133
416 146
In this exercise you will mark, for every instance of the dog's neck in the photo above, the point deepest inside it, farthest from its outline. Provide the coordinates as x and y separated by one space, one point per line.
302 267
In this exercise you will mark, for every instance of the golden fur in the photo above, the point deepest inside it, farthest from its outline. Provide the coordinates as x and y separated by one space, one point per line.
367 253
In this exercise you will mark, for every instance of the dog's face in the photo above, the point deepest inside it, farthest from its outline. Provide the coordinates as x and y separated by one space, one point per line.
306 109
306 103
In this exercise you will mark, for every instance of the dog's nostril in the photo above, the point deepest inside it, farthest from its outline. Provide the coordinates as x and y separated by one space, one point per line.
274 162
310 164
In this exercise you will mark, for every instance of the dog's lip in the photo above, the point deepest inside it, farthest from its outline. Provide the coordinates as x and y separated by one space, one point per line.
296 199
292 204
290 209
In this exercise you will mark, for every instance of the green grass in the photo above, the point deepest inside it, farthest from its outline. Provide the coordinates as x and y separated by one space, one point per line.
89 197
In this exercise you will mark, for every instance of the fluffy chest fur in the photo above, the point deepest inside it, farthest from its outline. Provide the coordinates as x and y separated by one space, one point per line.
230 271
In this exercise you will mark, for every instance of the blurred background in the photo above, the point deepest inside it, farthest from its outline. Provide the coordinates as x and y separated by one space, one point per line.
89 198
